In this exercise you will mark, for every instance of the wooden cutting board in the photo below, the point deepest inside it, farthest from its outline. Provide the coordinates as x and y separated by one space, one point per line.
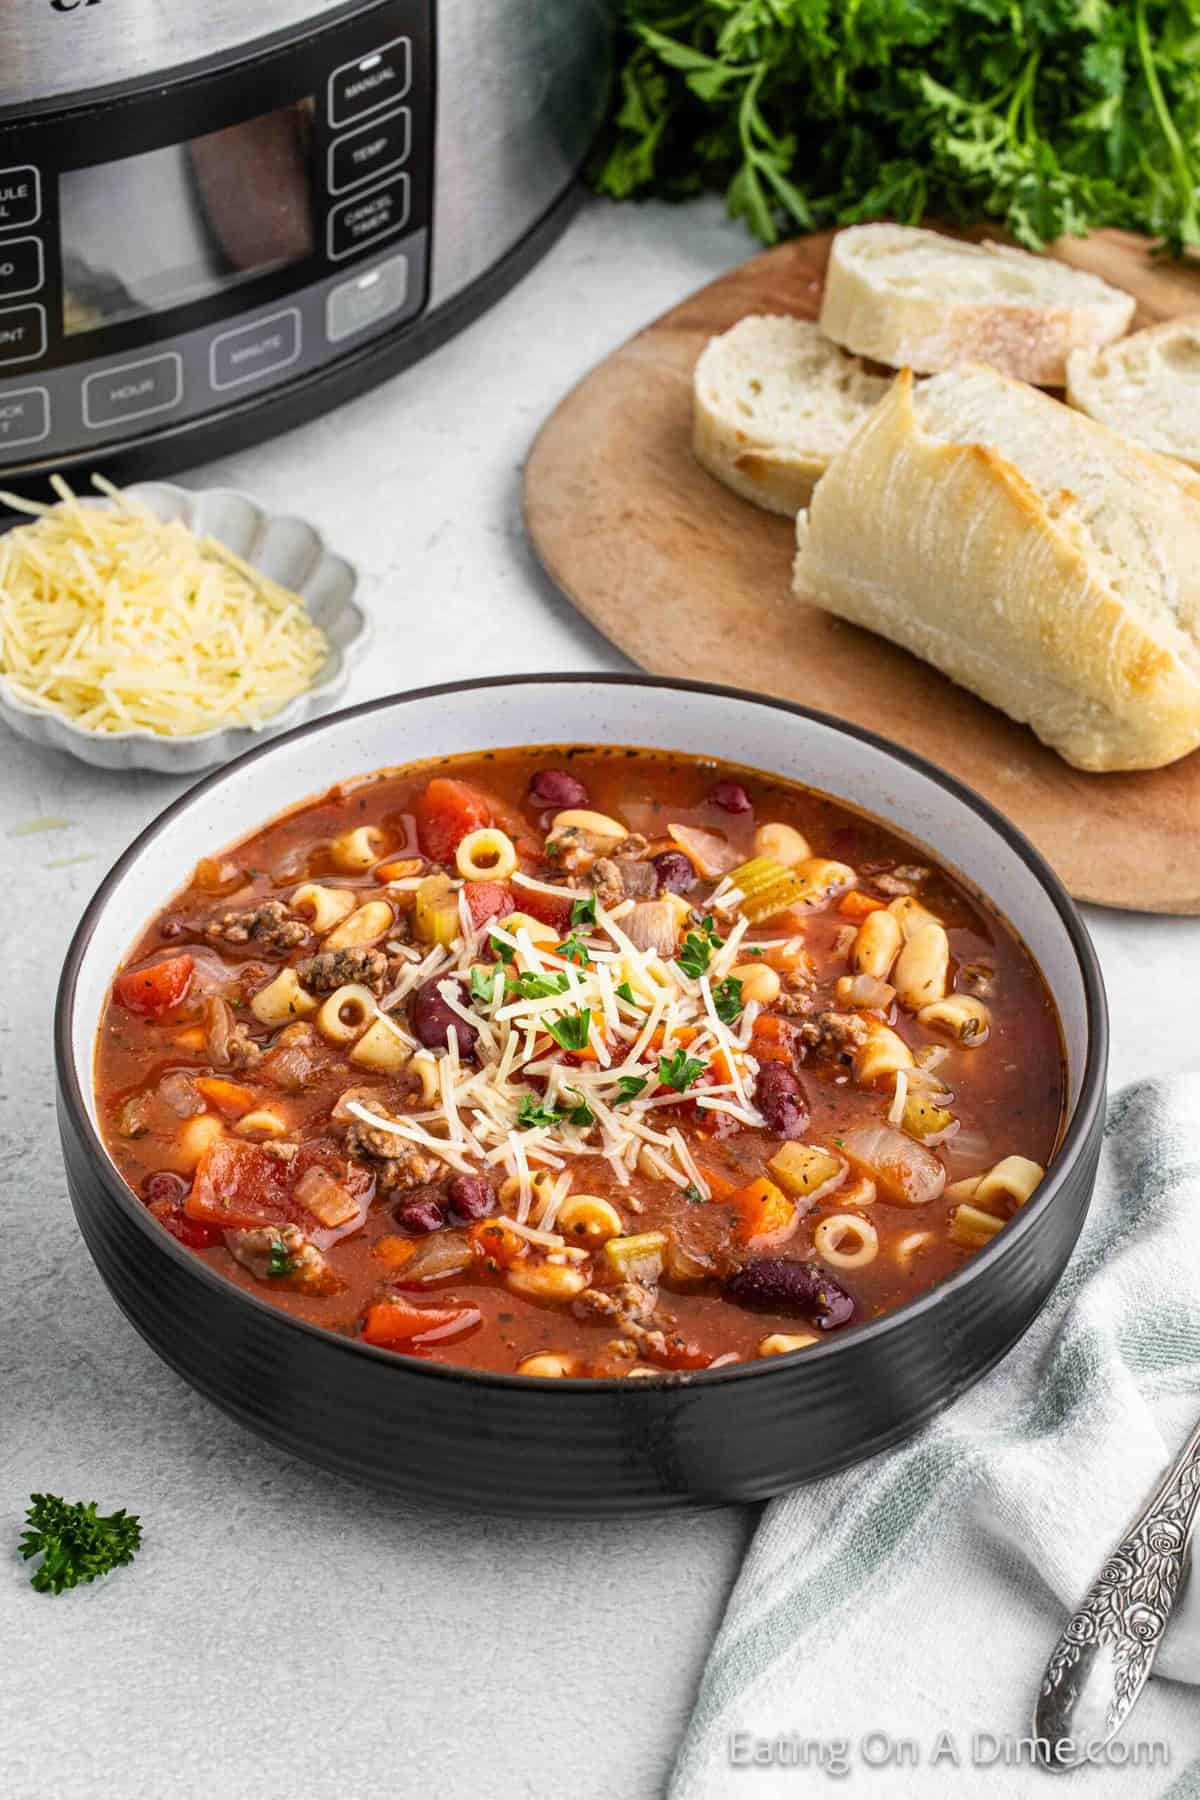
690 580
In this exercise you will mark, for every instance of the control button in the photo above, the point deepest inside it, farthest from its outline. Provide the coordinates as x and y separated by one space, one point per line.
369 82
20 197
256 349
24 417
374 149
20 267
353 224
365 298
22 333
133 390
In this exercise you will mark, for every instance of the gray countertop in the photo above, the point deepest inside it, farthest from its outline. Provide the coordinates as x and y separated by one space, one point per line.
282 1632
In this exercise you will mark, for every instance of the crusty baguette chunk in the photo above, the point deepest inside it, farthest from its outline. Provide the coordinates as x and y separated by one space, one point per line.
1147 387
1031 554
918 300
773 401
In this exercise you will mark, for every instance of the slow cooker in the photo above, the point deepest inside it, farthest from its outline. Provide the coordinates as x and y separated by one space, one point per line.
219 217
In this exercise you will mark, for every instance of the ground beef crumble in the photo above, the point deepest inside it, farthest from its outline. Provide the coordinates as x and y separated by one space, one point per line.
330 969
837 1034
398 1166
271 925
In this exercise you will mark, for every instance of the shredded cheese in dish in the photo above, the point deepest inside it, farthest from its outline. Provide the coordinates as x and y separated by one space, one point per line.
118 620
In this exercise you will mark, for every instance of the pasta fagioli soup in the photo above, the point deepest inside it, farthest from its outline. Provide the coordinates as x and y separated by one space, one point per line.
580 1061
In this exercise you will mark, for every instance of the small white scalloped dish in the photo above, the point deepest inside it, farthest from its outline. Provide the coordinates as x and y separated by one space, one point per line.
289 551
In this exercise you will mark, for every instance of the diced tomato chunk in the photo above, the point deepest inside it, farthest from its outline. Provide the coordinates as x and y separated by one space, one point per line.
238 1185
486 900
189 1231
445 813
154 990
549 908
396 1322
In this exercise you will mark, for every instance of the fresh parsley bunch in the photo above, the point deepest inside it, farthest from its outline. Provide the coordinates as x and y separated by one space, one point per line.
75 1543
1049 116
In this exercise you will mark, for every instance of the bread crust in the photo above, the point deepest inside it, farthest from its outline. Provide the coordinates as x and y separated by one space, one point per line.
927 330
961 559
776 462
779 481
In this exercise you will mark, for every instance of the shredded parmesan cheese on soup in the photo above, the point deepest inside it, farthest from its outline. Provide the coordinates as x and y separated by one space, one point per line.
118 620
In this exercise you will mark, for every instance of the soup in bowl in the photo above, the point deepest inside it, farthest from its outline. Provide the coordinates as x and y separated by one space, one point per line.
580 1064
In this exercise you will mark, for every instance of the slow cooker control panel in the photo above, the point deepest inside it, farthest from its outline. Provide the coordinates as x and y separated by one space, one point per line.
170 254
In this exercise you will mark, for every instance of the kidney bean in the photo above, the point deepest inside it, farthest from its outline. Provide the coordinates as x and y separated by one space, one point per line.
420 1214
164 1184
673 872
554 787
731 797
470 1197
779 1284
431 1019
781 1099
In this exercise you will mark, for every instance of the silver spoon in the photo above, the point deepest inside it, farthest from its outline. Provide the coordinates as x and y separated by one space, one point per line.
1100 1663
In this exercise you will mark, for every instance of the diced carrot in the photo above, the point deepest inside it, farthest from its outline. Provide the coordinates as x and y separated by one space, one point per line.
497 1245
395 1251
763 1212
389 1323
229 1097
399 868
771 1039
856 905
154 990
680 1034
191 1039
720 1186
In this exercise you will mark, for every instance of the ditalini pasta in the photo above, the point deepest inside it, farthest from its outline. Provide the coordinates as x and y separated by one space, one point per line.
583 1062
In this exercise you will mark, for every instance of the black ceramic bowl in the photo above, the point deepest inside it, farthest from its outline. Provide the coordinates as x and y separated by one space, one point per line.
504 1442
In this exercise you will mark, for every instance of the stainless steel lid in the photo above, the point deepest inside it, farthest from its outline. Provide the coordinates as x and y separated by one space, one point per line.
48 52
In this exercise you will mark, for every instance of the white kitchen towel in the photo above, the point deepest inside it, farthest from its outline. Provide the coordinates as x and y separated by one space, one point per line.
889 1628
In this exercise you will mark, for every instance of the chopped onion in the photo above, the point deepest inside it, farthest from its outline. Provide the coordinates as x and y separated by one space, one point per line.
218 1024
710 854
904 1171
967 1153
864 990
651 925
326 1199
442 1254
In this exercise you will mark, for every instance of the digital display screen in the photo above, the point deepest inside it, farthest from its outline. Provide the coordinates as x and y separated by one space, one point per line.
154 231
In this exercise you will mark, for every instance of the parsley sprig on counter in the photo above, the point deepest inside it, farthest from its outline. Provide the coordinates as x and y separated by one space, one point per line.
75 1543
1048 116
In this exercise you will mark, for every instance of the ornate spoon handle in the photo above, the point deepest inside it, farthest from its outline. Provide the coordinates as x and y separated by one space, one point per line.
1100 1663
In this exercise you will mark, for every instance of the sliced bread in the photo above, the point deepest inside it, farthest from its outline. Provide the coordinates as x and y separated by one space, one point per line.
1031 554
918 300
773 401
1147 387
